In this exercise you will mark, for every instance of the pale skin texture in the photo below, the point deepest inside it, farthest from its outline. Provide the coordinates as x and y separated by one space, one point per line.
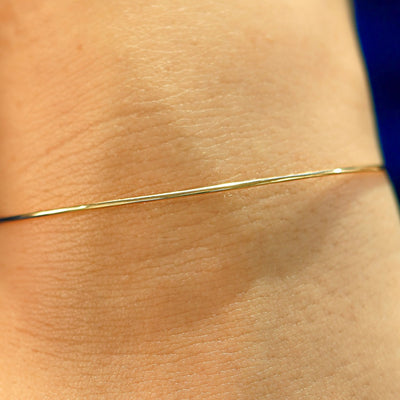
285 292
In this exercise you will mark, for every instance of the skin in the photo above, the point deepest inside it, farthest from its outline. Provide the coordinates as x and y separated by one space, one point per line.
285 292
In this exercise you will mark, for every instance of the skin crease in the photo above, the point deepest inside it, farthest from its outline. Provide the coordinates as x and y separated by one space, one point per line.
285 292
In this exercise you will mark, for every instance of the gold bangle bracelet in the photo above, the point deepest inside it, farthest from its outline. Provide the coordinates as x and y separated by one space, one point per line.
192 192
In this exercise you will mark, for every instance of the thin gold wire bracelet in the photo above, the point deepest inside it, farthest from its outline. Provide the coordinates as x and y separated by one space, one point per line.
192 192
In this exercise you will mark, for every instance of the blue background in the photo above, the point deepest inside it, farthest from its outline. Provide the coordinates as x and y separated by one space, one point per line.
378 23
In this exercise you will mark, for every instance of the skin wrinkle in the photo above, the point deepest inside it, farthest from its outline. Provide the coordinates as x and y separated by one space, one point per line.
251 289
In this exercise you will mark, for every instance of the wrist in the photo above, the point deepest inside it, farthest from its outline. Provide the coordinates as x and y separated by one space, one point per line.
158 298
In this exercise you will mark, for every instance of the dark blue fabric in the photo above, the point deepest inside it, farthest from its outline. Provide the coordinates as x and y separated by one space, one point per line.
378 23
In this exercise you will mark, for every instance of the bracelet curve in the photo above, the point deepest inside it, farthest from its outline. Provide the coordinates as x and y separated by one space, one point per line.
191 192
